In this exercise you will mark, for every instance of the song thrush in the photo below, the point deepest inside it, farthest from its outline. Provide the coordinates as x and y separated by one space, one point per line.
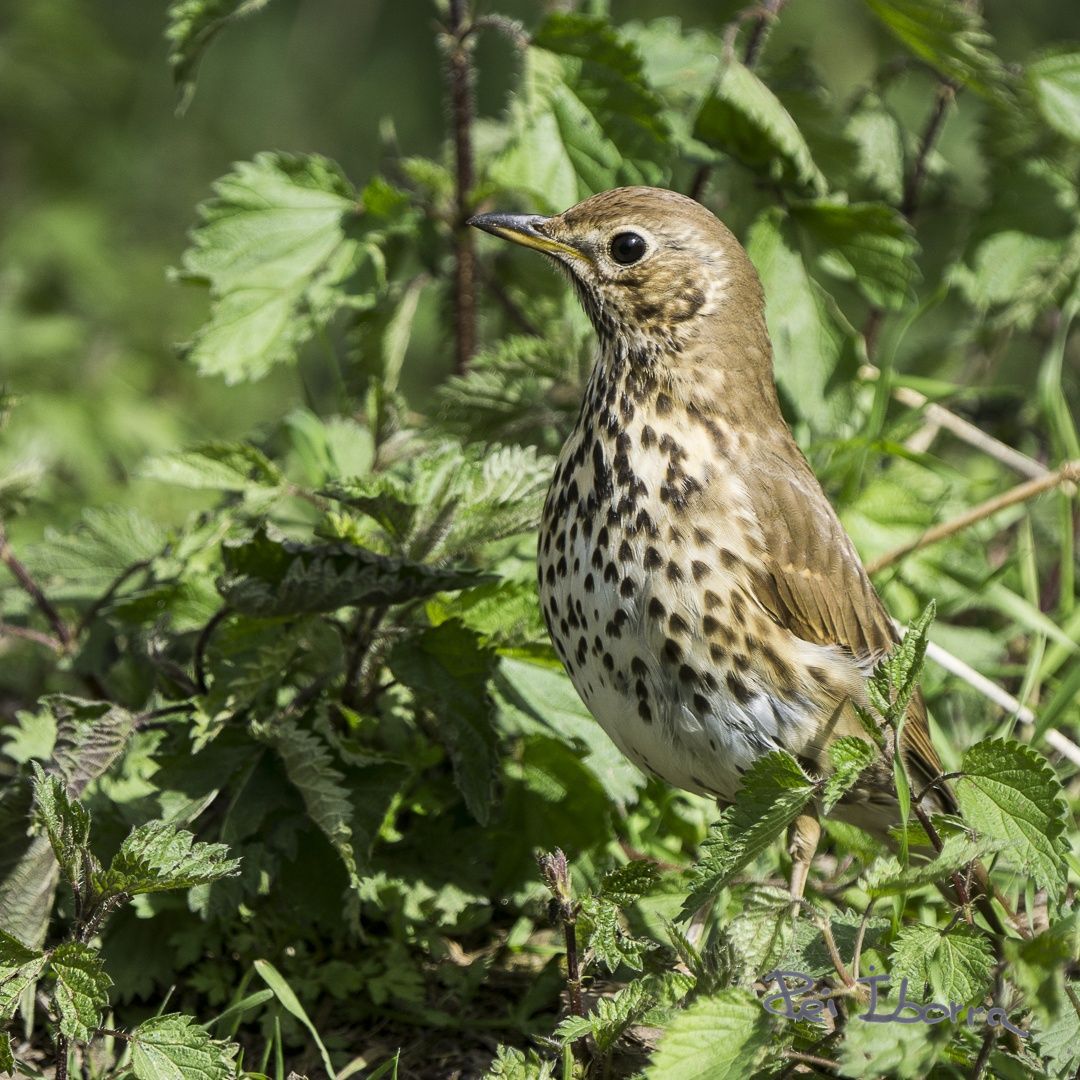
699 588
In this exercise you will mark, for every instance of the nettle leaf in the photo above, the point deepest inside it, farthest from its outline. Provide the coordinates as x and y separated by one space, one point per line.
879 138
814 346
447 502
869 244
192 25
888 877
67 824
511 1064
849 756
1009 792
611 944
773 793
957 966
275 246
744 118
268 576
1055 82
158 856
726 1035
948 35
610 1017
896 677
448 670
174 1047
762 935
871 1049
7 1059
90 737
249 658
310 766
630 882
218 466
585 119
82 989
19 968
83 563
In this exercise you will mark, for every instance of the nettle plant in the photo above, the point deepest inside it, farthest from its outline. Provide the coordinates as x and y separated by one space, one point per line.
335 675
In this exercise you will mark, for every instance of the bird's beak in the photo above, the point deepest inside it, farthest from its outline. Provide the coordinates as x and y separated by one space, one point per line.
524 229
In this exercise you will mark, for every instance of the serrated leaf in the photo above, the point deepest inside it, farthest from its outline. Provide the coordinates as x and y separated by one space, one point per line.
448 670
192 25
585 119
599 920
266 576
67 824
773 793
610 1017
868 244
174 1047
310 766
744 118
887 877
158 856
1055 82
958 965
19 967
872 1049
248 659
275 245
948 35
721 1037
82 989
629 882
218 466
513 1064
90 737
1009 792
814 347
849 756
7 1059
762 934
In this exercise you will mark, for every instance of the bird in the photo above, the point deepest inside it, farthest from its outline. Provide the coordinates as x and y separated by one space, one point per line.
697 584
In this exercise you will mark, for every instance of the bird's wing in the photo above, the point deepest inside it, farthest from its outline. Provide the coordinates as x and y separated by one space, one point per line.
813 582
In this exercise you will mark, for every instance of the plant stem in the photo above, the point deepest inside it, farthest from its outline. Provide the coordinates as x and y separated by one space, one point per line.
61 1057
763 15
909 203
459 72
199 660
33 590
27 634
1067 473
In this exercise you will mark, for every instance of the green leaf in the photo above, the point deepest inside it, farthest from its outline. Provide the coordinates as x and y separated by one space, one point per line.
871 1049
958 965
19 968
773 793
630 882
512 1064
1009 792
814 347
585 119
948 35
174 1047
887 877
722 1037
448 670
610 1017
849 756
291 1003
310 766
612 945
1055 82
192 25
274 246
896 677
90 737
7 1059
82 989
218 466
266 576
868 244
531 697
67 824
158 856
744 118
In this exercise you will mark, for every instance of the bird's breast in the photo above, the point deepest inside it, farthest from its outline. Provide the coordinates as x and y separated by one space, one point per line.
647 554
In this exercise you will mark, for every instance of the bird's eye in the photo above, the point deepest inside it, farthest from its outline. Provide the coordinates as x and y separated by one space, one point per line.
627 247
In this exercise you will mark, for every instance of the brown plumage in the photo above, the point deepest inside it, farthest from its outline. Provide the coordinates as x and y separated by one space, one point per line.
701 591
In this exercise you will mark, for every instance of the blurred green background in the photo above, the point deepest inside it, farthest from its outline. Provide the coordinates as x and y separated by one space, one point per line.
99 179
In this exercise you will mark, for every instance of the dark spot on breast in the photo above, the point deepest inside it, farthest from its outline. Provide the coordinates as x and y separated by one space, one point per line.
652 559
656 608
625 552
738 688
687 674
663 405
590 585
716 652
637 666
709 625
673 572
627 588
648 437
644 711
678 625
699 569
672 651
711 600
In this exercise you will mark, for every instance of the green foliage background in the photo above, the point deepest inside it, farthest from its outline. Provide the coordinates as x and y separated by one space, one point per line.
294 556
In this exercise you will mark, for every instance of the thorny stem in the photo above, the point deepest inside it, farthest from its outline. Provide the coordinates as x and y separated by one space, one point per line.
457 47
1067 473
764 16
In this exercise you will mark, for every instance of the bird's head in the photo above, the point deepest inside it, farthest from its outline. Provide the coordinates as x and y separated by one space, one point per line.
646 263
